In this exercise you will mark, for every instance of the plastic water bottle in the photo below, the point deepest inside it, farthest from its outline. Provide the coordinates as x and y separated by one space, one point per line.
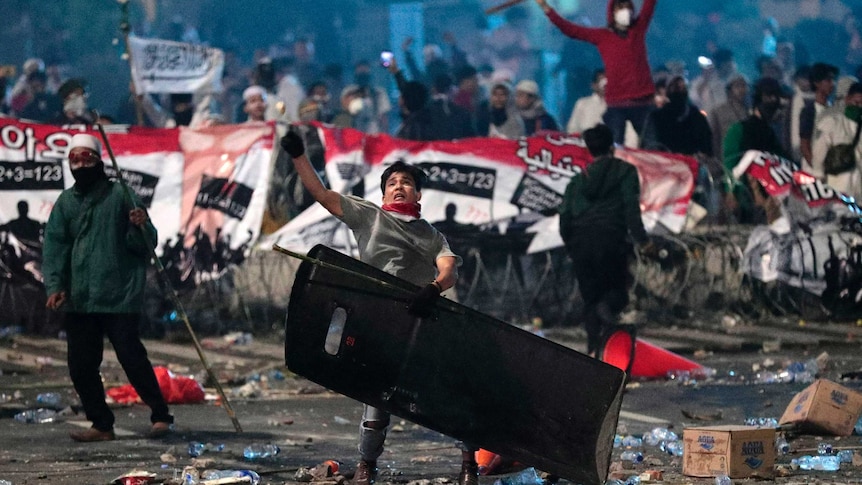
723 480
828 463
5 482
618 440
632 442
673 448
197 448
632 456
657 435
824 448
254 452
845 456
216 474
762 422
527 476
40 416
858 427
782 446
50 399
633 480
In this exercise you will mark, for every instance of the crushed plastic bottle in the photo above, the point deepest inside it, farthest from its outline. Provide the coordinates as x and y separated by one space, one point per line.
5 482
217 474
39 416
633 480
618 440
824 448
50 399
782 446
845 456
829 463
197 448
657 435
632 456
723 480
632 442
527 476
258 451
673 448
762 422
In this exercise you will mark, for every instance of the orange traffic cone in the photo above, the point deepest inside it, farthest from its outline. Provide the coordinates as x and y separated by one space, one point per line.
647 360
488 461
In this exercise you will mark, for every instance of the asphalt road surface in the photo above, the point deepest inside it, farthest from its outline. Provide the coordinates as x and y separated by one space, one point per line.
312 425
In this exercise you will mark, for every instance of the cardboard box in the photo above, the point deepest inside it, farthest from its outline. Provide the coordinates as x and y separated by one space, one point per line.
824 407
735 451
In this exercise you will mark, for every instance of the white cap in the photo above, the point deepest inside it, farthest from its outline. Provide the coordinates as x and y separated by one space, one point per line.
528 86
86 141
253 91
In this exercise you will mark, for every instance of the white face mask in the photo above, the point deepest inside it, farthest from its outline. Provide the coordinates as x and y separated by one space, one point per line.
76 105
623 17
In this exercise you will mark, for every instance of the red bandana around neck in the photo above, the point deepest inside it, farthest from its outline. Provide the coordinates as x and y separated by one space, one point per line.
411 209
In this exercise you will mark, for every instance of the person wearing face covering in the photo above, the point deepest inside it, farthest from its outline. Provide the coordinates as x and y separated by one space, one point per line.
678 126
74 97
95 262
755 132
837 128
622 47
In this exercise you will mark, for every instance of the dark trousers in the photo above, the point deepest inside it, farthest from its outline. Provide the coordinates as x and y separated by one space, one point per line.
85 336
600 262
616 116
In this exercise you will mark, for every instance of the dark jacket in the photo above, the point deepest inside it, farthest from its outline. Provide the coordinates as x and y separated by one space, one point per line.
94 253
603 199
673 130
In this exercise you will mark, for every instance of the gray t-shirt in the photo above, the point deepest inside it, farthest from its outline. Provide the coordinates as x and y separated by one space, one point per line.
408 250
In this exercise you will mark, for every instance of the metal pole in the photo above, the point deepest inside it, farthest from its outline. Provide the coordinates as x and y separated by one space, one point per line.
178 306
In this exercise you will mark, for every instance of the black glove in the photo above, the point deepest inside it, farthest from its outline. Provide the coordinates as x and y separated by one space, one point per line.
423 301
292 144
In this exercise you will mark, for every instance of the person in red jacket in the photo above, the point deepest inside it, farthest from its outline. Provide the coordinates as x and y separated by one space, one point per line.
622 46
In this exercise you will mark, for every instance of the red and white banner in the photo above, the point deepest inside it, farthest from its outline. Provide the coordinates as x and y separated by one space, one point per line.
781 177
215 178
486 181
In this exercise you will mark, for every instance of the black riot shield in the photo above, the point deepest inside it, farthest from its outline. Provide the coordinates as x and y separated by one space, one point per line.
459 372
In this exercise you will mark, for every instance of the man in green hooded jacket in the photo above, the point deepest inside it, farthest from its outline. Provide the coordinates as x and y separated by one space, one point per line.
599 216
94 262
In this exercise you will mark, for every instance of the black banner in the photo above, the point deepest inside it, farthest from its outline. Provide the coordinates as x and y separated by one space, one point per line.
460 179
31 175
231 198
143 184
534 195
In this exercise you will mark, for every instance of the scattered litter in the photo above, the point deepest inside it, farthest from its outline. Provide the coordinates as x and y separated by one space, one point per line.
135 477
37 416
340 420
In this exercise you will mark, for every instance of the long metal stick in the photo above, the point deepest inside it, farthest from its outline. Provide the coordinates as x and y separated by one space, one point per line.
169 288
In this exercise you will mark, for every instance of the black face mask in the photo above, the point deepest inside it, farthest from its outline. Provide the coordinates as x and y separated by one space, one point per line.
498 116
679 98
768 109
183 118
86 177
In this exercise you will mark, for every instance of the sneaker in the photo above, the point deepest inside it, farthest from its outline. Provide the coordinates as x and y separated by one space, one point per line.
366 473
469 473
160 429
92 434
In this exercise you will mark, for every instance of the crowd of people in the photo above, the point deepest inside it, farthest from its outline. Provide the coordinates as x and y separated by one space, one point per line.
457 91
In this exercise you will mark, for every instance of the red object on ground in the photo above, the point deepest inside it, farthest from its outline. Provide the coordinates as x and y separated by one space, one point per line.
650 361
175 389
